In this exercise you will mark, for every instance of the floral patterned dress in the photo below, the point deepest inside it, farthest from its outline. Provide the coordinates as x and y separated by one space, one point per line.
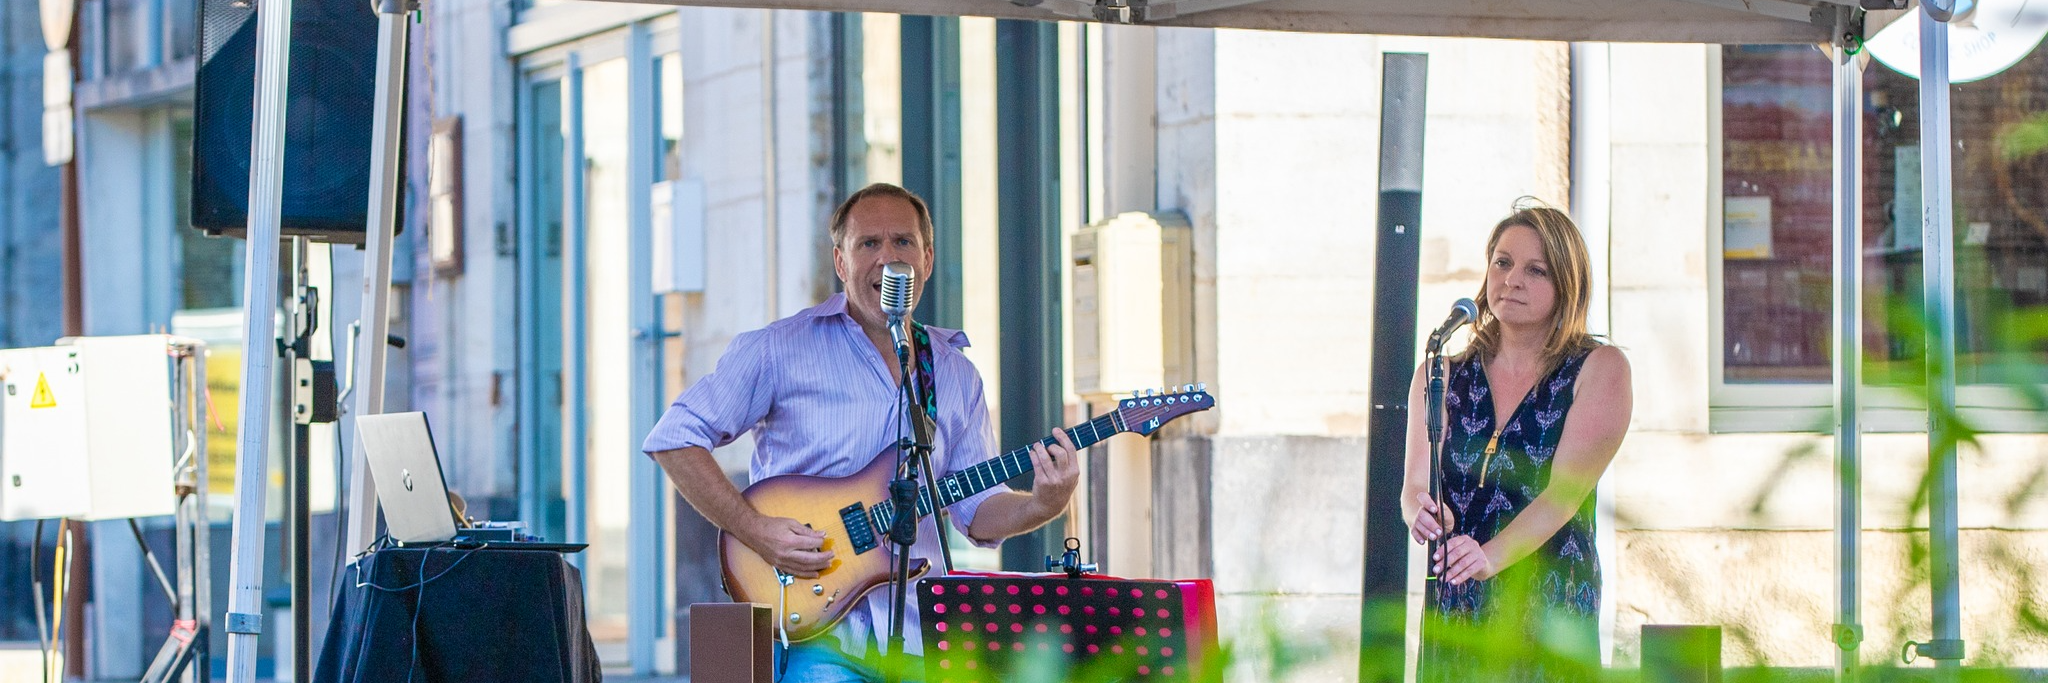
1538 620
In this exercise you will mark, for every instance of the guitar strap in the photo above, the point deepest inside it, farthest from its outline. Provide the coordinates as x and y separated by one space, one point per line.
926 384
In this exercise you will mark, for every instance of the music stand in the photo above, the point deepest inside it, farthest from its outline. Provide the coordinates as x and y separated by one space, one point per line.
990 627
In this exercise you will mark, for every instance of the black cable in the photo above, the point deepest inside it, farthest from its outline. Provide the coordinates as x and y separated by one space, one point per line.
158 569
419 604
466 552
419 600
376 544
340 515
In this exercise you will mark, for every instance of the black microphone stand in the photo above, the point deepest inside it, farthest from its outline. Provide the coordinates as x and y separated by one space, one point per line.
913 454
1432 583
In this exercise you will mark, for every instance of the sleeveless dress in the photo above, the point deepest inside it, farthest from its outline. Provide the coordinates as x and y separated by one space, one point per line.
1538 620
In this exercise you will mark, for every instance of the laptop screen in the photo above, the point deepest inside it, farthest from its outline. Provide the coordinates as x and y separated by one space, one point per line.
400 450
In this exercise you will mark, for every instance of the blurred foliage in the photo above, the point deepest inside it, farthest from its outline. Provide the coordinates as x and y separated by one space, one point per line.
2012 367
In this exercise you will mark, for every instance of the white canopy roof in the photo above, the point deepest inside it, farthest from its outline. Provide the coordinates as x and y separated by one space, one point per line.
1691 21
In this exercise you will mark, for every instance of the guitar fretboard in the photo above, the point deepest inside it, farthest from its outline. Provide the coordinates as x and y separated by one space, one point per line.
965 483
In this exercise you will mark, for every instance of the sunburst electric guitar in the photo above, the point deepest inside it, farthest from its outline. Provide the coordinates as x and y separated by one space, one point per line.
855 514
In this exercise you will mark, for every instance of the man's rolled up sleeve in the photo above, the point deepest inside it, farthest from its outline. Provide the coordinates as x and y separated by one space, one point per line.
724 404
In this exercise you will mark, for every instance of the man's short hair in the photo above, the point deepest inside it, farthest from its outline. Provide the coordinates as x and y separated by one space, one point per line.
924 213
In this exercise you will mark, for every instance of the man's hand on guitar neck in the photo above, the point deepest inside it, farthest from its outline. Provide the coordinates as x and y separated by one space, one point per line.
790 545
1054 472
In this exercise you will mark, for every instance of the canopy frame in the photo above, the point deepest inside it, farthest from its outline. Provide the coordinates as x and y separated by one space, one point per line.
1835 22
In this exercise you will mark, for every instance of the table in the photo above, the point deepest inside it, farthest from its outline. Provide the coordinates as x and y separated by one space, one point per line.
483 615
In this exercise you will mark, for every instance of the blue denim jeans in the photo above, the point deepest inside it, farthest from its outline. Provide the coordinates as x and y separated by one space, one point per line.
821 661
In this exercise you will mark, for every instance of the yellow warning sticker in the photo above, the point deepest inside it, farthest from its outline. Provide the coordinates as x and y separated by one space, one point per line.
42 398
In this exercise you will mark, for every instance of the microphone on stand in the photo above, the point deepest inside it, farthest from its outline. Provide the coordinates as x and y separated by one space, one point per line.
1462 312
897 279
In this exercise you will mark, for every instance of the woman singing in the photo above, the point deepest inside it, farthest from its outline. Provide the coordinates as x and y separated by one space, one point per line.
1534 408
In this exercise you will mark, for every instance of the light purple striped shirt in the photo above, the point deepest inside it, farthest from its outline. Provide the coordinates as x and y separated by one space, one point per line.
820 401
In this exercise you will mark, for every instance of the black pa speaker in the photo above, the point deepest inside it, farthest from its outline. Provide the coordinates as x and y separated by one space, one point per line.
328 119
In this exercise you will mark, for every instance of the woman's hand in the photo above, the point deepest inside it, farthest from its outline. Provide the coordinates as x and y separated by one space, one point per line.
1462 559
1430 520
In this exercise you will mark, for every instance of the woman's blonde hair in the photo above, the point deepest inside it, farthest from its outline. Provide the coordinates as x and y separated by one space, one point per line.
1570 276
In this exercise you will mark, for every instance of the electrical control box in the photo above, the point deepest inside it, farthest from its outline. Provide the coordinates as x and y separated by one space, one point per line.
87 430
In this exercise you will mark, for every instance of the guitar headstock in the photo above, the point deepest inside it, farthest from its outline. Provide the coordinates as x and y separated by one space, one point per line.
1145 412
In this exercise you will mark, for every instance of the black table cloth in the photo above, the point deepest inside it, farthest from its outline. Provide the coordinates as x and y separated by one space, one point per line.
482 615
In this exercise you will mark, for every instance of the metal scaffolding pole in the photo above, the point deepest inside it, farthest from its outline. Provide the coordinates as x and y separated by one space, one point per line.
646 488
575 311
1848 355
259 298
386 136
1937 272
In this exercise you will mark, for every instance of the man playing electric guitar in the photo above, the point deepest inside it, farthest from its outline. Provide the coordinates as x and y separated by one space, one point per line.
819 392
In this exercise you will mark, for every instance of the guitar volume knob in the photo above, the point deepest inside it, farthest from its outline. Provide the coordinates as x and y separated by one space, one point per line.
795 618
817 589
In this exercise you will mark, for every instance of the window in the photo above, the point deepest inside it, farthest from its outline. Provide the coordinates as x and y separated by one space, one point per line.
1777 235
1777 230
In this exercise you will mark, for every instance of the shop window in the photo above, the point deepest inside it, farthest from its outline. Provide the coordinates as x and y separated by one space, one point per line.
1776 237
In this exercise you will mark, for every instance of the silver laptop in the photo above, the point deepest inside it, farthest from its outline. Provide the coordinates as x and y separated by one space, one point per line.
400 450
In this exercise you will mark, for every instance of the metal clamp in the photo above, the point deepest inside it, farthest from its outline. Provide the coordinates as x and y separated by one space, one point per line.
1934 649
1942 10
1070 561
1848 636
239 622
302 391
1114 11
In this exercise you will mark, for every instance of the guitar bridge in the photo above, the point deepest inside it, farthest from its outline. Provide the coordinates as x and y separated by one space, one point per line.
858 532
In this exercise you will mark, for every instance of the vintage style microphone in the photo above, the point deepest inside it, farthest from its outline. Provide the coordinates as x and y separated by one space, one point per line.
897 279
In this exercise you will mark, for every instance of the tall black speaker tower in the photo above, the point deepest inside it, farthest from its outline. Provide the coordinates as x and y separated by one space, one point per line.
327 121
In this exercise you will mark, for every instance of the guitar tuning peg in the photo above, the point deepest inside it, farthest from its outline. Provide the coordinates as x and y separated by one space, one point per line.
1201 386
1187 388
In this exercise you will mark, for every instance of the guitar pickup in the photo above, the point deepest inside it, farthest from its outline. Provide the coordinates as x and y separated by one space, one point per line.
858 532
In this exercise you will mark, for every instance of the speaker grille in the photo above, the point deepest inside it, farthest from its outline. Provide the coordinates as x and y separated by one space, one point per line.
220 19
329 102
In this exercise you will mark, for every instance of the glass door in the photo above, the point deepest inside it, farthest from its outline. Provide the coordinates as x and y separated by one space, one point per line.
541 502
